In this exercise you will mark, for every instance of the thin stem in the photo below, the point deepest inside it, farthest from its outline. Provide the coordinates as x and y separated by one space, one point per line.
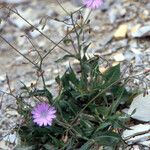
17 50
37 30
63 8
87 17
56 46
73 45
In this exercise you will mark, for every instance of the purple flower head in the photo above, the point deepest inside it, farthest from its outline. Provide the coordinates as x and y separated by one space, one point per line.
43 114
93 4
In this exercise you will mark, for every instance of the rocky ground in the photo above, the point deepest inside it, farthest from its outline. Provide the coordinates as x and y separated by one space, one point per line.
120 33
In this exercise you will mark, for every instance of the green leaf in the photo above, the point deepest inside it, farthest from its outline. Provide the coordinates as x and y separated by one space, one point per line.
87 127
116 103
87 145
107 138
103 126
112 75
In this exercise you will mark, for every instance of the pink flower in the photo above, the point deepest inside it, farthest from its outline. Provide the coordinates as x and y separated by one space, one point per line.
93 4
43 114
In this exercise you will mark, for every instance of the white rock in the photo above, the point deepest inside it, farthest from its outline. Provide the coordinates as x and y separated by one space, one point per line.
139 138
136 51
10 138
2 78
142 32
145 143
135 130
119 57
49 82
12 113
14 1
19 60
3 145
36 33
142 106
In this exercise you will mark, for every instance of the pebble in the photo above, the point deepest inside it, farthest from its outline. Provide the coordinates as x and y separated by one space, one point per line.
3 145
134 29
2 78
135 130
14 1
11 138
50 82
141 104
119 44
121 32
145 143
119 57
106 39
143 31
19 60
139 138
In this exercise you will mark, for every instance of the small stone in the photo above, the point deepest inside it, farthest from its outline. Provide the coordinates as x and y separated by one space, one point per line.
14 1
12 113
31 83
135 130
112 15
36 33
142 32
129 55
136 51
2 78
50 82
56 71
3 145
19 60
121 32
141 105
102 69
139 138
119 57
106 39
134 29
134 147
12 138
119 44
144 15
115 63
145 143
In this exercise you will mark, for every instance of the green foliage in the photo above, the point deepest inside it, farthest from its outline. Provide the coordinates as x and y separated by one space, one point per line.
83 122
88 107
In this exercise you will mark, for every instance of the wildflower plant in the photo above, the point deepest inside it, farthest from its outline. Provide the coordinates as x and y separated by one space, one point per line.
86 113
